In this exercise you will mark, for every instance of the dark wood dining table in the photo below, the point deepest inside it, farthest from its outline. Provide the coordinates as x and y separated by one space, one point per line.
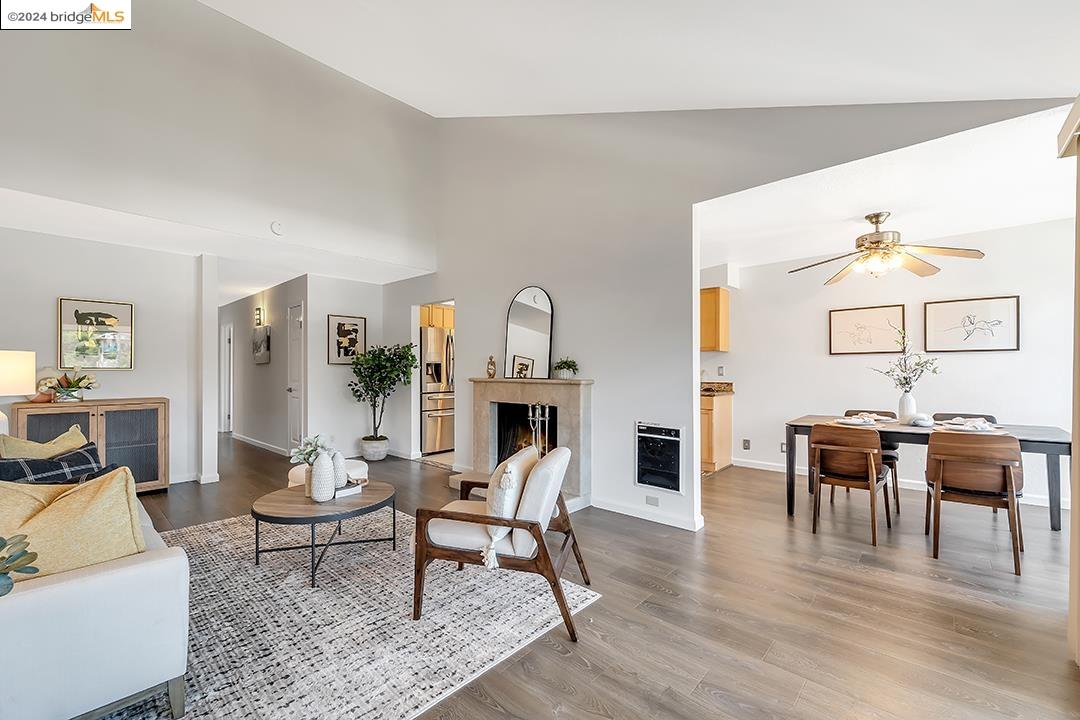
1053 442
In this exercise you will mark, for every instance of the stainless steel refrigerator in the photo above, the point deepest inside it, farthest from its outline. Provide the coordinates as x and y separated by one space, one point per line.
436 390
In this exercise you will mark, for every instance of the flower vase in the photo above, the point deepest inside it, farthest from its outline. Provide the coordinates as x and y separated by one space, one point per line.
906 411
67 394
341 476
322 478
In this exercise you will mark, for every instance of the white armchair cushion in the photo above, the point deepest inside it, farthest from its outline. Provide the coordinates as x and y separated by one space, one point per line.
466 535
539 496
505 487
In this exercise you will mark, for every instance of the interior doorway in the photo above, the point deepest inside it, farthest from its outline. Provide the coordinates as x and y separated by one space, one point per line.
225 397
295 374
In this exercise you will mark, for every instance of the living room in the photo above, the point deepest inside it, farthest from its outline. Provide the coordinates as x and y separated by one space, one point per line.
217 151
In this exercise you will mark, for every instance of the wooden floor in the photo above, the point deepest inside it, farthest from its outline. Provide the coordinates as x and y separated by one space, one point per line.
755 617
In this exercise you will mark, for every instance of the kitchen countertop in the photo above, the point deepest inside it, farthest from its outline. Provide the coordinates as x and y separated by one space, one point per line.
710 388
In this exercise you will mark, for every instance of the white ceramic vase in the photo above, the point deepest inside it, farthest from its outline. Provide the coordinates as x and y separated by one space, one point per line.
322 478
341 477
563 374
907 409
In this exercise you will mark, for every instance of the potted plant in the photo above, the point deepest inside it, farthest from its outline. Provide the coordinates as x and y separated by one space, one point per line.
307 452
905 371
14 558
378 373
68 388
566 368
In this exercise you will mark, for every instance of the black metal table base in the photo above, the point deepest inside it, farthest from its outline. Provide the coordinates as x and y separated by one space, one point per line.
313 545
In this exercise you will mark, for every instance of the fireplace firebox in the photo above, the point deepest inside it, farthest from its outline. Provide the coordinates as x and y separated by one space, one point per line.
519 425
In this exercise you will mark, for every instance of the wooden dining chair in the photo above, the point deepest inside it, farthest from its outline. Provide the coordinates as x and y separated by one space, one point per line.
890 455
849 457
940 417
976 470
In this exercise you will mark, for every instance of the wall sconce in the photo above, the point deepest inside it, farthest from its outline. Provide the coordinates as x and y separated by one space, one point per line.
258 316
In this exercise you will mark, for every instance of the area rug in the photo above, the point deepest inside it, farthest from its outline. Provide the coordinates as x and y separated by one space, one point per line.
266 645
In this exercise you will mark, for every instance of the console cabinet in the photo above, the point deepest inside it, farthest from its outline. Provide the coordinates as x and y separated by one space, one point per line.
128 431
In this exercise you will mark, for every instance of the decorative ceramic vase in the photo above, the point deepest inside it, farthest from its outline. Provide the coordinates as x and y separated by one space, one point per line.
341 476
564 374
374 449
907 410
322 478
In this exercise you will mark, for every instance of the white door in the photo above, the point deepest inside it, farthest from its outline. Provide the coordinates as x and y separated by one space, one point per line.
295 388
226 378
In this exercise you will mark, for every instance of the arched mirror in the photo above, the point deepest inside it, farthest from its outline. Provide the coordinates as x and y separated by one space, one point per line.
528 335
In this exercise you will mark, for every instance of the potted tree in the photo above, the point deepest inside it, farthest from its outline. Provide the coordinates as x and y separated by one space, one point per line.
378 373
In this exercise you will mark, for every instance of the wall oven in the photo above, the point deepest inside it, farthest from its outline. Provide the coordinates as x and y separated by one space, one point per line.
658 452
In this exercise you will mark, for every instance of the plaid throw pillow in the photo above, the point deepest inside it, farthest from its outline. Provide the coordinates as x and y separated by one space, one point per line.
77 466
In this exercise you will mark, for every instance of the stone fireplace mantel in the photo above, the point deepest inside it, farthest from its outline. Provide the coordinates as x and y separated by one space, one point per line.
573 398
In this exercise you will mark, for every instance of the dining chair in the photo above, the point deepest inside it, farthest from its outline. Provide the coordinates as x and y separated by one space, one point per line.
974 469
940 417
890 455
849 457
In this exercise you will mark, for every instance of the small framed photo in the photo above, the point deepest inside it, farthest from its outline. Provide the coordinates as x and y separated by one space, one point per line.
98 334
260 345
866 331
523 367
972 325
346 337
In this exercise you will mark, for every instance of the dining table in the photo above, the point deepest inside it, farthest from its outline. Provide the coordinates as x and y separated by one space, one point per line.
1053 442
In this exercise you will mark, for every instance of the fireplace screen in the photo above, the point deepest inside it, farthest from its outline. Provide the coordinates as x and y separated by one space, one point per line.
518 426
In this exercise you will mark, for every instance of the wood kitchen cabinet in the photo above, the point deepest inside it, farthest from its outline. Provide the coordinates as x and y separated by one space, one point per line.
132 432
437 316
715 320
715 432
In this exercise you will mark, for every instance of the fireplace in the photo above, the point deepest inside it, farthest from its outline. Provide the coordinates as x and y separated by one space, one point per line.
519 425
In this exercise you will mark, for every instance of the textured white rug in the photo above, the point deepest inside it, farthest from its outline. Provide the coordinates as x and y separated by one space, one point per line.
265 645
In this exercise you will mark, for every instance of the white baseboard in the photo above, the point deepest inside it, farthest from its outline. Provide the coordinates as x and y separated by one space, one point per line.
209 478
657 516
403 454
261 444
177 479
908 484
462 468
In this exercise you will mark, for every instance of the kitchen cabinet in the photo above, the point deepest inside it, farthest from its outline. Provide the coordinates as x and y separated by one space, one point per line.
715 432
437 316
715 320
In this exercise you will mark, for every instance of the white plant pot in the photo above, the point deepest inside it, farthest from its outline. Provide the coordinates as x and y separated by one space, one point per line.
906 411
564 374
322 478
374 449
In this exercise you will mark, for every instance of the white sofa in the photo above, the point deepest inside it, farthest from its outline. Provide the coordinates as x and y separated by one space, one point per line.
89 641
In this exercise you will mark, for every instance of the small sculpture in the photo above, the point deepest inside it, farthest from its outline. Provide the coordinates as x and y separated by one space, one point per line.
491 366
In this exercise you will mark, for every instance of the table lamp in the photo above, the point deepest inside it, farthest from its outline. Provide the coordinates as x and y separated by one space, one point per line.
18 376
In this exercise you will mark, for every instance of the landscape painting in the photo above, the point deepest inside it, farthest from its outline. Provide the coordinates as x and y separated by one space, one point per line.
346 337
866 330
95 334
973 325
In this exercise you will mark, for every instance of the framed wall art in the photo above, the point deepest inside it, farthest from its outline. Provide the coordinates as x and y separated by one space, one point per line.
972 325
260 345
97 334
865 330
346 337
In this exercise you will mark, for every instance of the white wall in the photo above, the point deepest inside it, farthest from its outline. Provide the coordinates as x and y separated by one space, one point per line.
40 268
596 209
332 410
260 412
782 369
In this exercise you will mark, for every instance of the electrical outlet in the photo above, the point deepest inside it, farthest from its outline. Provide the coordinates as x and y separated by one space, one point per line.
745 444
719 371
783 447
652 500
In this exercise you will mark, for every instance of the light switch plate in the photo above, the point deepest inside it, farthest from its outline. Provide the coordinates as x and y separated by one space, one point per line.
783 447
719 371
745 444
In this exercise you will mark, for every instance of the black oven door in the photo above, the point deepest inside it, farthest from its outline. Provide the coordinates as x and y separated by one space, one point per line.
658 462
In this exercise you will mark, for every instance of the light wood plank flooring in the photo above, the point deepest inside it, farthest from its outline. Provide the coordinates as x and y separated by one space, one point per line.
755 617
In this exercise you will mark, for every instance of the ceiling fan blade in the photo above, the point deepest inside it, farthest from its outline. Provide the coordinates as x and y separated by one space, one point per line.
822 262
844 272
954 252
917 265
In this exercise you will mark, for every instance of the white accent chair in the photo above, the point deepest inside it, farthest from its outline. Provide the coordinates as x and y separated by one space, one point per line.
458 532
90 641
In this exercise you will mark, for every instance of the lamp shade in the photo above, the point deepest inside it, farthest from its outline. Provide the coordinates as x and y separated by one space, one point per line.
18 373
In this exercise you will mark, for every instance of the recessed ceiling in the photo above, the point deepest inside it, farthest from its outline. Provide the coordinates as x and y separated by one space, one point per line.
512 57
996 176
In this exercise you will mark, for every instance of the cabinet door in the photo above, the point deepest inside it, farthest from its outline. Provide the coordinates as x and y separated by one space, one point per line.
425 316
706 437
134 435
709 337
437 318
46 423
448 318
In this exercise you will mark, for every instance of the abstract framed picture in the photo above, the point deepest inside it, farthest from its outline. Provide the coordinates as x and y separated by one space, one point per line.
98 334
989 324
260 344
346 337
523 367
866 330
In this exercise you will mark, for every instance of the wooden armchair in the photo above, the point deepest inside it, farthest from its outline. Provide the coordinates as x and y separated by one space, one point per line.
458 533
849 457
975 470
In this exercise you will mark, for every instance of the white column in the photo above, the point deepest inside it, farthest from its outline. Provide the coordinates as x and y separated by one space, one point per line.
208 368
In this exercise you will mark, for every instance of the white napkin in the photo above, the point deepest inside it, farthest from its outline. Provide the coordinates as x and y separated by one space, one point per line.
977 425
856 420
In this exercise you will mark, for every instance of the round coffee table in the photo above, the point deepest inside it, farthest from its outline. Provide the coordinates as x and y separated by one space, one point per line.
290 507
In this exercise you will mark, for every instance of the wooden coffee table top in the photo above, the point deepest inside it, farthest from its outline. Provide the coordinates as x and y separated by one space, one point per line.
290 507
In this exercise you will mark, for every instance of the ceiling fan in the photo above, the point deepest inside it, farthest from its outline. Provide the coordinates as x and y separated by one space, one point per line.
880 251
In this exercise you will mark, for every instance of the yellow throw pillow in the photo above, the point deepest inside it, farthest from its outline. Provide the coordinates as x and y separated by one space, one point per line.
13 447
72 526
